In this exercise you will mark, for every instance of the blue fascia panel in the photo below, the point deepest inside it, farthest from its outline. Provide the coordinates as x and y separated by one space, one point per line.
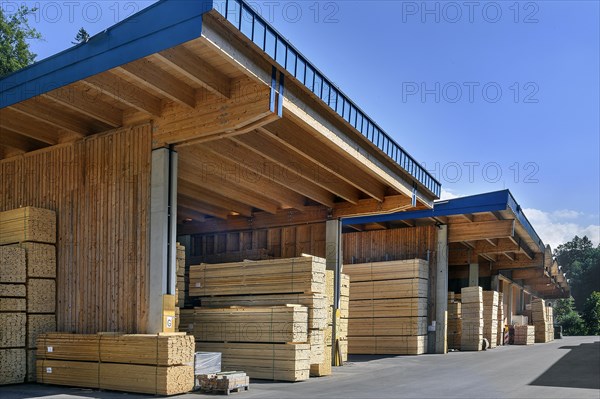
163 25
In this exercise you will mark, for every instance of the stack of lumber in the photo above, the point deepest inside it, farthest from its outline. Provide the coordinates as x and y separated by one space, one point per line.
490 317
27 286
304 274
550 324
501 323
472 319
454 322
524 335
388 307
543 324
160 364
282 362
254 285
181 276
275 324
224 382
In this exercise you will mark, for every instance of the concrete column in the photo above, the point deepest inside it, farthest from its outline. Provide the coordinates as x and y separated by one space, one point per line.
163 232
495 283
509 293
333 259
473 274
441 291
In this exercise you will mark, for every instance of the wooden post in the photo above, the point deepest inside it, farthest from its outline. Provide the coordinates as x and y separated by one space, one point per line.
333 259
163 231
473 274
441 290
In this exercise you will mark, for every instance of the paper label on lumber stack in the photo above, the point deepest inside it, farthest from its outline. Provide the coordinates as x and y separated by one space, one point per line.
293 275
252 324
13 367
13 263
283 362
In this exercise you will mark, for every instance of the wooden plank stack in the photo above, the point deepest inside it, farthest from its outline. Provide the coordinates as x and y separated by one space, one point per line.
251 286
27 287
160 364
275 324
280 362
472 319
524 335
454 326
181 285
224 382
388 307
490 317
544 325
304 274
501 321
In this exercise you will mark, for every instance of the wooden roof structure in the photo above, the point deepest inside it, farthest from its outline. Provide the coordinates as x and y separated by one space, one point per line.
257 127
488 228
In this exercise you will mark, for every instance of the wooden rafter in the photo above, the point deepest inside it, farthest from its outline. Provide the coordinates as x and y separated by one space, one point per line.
202 207
480 230
15 121
19 142
194 192
76 99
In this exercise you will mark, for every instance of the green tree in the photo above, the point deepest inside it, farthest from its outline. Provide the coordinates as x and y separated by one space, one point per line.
82 36
581 262
591 314
14 35
566 315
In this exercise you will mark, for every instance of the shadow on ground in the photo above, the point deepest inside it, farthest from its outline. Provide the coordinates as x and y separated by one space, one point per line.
579 368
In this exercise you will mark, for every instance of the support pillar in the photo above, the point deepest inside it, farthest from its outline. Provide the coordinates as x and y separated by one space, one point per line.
495 283
473 274
333 259
441 291
163 232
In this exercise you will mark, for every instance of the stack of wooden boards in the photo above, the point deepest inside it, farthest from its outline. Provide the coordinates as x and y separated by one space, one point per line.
27 288
524 335
159 364
543 321
278 354
180 287
454 326
225 382
472 319
388 307
490 317
501 323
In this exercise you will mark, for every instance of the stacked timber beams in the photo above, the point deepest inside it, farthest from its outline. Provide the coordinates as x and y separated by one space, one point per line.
472 319
388 307
524 335
277 354
27 288
181 286
454 322
490 317
543 321
153 364
501 320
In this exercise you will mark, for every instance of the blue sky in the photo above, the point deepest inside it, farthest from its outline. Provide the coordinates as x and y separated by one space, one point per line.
488 95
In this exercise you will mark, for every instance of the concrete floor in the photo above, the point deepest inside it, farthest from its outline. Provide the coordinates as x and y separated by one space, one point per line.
567 368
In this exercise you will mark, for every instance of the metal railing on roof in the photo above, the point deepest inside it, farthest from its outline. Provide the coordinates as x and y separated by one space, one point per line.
255 28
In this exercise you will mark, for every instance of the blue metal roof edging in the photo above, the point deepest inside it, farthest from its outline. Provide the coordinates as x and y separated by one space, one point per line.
162 25
487 202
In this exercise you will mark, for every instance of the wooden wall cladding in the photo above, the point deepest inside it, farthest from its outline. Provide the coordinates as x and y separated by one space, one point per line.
387 245
280 242
100 190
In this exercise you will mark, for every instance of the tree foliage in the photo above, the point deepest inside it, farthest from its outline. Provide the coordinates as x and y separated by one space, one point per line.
82 36
591 314
14 34
566 315
581 262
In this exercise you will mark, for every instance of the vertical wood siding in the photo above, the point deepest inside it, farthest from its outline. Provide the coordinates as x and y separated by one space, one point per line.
100 190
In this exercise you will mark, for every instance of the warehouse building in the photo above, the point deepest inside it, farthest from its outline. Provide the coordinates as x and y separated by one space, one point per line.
199 123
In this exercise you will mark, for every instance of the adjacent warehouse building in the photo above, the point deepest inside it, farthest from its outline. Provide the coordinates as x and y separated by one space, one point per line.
199 122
